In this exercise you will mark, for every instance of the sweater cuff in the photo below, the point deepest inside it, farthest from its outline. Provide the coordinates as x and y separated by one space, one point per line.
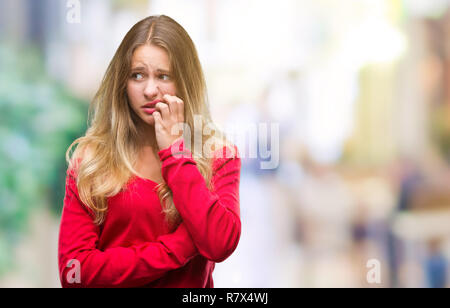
175 150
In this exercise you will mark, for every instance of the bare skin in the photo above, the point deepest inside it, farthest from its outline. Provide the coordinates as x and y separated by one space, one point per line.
151 81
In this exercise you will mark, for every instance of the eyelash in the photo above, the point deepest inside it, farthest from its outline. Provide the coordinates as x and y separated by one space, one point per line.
134 76
168 77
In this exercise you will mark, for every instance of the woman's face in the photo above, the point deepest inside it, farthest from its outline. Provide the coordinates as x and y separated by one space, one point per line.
149 80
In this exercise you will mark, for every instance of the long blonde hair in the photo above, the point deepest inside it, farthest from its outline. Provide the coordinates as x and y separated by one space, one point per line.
108 152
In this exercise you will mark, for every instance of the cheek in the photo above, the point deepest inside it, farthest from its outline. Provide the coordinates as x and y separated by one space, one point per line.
168 89
133 93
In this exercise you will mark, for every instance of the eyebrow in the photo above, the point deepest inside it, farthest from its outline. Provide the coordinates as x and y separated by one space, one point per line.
159 70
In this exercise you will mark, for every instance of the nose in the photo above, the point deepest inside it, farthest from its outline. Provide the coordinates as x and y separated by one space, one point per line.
151 89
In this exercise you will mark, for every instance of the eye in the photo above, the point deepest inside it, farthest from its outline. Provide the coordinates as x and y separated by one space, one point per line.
137 76
164 77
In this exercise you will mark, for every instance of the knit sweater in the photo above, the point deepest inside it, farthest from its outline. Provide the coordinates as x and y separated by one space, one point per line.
134 246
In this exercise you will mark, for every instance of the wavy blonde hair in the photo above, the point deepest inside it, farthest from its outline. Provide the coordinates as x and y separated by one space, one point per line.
108 151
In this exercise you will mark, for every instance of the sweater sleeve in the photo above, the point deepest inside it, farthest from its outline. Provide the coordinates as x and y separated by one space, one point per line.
131 266
212 217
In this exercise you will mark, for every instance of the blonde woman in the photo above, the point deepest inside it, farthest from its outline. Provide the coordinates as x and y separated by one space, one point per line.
152 188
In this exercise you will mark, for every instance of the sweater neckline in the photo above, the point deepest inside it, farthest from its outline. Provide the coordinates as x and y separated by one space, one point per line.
146 180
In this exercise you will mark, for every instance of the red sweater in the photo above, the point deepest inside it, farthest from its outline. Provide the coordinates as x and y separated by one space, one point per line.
134 247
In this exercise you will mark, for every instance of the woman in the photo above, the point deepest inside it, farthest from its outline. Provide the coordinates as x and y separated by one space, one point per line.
152 195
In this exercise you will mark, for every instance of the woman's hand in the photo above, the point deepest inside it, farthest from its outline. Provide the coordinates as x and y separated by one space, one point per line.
169 121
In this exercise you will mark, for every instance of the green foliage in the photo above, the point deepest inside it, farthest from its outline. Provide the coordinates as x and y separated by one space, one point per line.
39 119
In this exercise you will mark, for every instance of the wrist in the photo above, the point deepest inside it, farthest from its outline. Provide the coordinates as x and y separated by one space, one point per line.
175 149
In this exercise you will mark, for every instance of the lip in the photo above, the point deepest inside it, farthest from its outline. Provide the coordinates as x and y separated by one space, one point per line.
152 103
149 110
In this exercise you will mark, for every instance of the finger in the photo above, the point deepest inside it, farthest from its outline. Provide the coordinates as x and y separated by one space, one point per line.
177 107
172 103
180 104
157 117
163 108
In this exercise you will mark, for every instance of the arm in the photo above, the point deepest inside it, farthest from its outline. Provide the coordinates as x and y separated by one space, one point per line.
115 267
211 217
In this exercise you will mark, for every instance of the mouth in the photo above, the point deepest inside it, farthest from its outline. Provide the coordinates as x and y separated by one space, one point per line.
149 108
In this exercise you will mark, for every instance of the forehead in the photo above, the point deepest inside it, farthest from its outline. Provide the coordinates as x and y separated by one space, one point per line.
151 57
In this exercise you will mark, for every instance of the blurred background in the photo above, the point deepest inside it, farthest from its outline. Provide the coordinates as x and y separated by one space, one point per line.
358 94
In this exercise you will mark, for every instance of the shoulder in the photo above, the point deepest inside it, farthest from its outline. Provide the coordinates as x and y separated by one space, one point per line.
77 159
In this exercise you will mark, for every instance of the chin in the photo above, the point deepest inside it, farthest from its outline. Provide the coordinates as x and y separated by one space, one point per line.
149 120
142 118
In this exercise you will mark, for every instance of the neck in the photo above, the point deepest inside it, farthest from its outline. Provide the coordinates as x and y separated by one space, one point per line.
147 136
